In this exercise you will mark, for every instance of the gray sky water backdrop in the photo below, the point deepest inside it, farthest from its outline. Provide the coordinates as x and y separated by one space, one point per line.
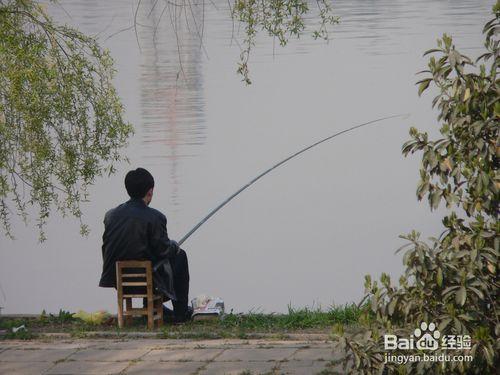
307 233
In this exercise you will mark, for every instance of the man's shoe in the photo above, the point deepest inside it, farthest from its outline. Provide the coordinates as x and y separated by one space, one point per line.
182 316
168 315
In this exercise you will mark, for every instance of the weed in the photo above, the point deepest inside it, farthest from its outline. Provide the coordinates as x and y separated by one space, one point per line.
19 335
8 324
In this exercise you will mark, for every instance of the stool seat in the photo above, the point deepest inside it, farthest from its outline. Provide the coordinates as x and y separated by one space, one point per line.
134 279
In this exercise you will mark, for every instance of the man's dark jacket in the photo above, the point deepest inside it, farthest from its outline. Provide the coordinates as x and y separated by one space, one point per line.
134 231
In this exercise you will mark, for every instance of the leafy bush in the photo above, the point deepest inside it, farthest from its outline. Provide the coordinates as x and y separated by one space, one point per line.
61 120
453 280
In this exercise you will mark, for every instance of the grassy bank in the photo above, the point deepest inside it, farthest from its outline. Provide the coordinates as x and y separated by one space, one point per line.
301 320
295 319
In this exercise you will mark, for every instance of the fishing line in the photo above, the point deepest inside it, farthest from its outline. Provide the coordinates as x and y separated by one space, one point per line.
255 179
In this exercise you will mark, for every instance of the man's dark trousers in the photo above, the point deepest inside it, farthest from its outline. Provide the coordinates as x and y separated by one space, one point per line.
180 270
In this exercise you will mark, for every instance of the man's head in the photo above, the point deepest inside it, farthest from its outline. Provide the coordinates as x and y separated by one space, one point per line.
139 184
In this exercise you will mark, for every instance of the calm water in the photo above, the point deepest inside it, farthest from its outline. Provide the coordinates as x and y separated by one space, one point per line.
304 235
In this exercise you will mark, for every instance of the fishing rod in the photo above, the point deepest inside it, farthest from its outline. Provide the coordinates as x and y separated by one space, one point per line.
255 179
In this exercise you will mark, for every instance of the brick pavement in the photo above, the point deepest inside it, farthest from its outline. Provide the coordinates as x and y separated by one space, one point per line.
158 356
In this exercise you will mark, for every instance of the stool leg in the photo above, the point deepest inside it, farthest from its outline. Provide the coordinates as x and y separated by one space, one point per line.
120 311
151 322
129 318
159 310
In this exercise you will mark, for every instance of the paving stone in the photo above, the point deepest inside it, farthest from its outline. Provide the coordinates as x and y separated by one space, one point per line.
313 354
82 367
52 344
11 343
236 368
34 355
161 356
58 345
108 355
182 355
256 354
134 344
7 344
170 368
220 343
25 368
303 367
283 343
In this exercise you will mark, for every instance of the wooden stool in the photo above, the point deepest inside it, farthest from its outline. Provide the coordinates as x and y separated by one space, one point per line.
139 276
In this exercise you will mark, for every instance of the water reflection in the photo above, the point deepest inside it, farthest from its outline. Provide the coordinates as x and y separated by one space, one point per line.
172 102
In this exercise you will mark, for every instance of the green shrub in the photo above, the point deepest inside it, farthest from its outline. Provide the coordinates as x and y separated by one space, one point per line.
452 281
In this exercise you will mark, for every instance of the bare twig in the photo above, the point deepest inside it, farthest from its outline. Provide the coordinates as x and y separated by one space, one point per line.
184 8
232 21
64 10
200 35
158 23
135 24
173 22
106 27
152 8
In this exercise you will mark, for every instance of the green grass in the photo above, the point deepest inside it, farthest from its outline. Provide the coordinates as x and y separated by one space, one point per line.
243 326
279 326
295 319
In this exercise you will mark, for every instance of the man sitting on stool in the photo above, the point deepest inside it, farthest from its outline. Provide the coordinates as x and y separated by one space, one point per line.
134 231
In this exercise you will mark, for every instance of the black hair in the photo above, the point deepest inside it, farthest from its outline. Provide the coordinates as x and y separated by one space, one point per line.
138 182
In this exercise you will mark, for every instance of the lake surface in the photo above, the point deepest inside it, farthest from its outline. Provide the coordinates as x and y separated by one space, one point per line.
306 234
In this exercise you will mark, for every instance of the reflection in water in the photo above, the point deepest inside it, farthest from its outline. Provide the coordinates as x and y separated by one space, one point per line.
172 102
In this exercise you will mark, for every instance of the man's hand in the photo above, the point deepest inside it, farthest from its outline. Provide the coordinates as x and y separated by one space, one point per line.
174 246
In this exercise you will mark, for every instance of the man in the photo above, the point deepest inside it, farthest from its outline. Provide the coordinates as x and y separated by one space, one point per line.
134 231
